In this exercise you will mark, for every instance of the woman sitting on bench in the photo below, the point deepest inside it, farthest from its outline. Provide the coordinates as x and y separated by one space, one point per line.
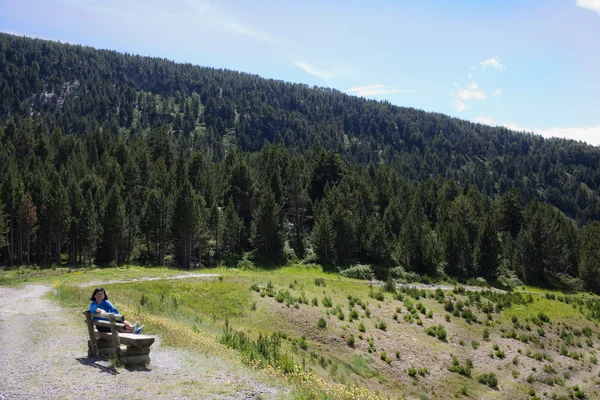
100 305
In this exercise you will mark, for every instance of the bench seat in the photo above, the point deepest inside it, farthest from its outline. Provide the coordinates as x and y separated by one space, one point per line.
129 339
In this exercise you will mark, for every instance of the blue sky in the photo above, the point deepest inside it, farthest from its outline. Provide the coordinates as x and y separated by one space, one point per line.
528 65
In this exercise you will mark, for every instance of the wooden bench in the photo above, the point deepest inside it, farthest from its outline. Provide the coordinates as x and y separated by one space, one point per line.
136 349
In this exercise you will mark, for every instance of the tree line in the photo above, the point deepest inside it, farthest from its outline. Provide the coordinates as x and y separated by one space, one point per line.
102 198
80 89
108 157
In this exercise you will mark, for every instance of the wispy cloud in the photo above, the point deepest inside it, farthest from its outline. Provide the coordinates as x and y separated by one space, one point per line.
377 90
318 72
486 120
460 106
497 92
247 31
493 62
471 93
593 5
590 135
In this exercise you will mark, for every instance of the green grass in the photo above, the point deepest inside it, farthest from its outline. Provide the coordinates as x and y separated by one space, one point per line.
192 312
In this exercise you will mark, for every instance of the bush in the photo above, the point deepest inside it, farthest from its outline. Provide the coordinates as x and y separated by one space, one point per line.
361 327
543 317
437 331
327 302
359 271
488 379
246 265
321 323
350 341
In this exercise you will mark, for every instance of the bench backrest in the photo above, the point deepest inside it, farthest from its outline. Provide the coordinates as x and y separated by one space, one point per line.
111 323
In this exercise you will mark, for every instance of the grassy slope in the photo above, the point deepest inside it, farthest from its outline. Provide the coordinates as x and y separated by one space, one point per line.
192 312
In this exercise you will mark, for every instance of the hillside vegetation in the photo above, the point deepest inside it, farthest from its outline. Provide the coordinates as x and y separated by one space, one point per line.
335 337
115 158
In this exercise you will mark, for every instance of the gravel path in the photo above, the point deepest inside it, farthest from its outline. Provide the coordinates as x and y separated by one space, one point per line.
43 355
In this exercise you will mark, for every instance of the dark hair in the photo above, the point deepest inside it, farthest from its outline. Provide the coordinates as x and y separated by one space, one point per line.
96 291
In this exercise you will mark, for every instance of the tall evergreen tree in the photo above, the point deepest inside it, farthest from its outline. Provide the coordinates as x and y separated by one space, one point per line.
589 251
185 224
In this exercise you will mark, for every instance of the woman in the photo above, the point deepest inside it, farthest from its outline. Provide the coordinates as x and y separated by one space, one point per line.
100 305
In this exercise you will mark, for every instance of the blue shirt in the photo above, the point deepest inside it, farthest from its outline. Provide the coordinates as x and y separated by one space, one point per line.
105 305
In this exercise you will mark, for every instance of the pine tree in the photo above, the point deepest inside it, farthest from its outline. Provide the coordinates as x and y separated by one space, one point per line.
27 220
113 226
90 229
185 224
12 197
156 223
266 230
233 228
298 203
589 251
323 235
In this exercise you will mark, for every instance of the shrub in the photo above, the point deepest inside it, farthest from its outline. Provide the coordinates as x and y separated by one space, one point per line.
359 271
464 370
321 323
350 341
315 302
486 334
475 344
381 325
543 317
488 379
302 343
320 282
327 302
390 286
353 314
361 327
412 372
437 331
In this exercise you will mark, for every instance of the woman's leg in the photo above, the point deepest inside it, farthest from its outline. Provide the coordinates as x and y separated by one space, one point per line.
128 327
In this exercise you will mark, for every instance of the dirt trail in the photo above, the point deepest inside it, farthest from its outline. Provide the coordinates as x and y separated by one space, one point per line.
43 355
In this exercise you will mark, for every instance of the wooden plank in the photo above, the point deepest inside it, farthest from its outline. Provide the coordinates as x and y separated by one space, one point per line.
107 351
134 351
102 344
106 324
92 342
129 339
114 332
134 360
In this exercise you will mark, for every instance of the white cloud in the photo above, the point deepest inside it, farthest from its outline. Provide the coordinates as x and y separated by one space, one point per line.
497 92
376 90
493 62
320 73
486 120
590 135
471 93
593 5
460 106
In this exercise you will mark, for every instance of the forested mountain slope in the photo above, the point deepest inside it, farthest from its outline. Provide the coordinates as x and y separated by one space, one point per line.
111 156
